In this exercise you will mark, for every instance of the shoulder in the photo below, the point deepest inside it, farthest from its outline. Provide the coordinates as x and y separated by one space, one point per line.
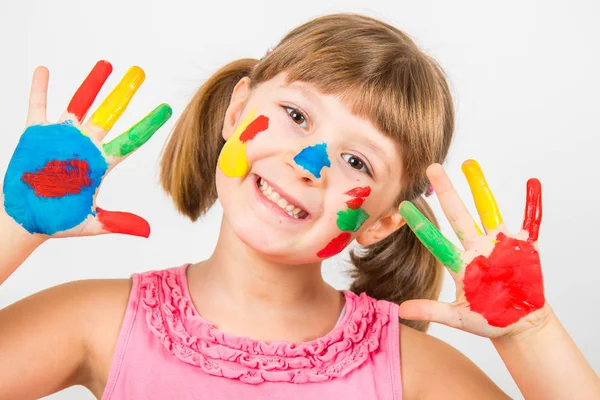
426 359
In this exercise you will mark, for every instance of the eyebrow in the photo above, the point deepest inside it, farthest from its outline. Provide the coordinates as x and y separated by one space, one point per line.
307 93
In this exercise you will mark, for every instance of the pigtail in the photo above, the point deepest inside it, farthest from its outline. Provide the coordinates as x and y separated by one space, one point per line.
189 160
399 268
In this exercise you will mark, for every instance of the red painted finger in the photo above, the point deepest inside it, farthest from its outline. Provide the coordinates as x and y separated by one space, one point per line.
86 94
122 222
533 209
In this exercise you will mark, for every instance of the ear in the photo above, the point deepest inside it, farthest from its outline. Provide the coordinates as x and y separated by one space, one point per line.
239 97
381 229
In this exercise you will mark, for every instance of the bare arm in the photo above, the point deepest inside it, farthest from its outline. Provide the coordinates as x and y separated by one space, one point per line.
546 364
432 369
61 337
16 244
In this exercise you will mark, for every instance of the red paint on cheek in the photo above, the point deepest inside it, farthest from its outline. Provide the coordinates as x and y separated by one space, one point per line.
260 124
122 222
84 97
336 245
59 178
359 191
355 203
507 285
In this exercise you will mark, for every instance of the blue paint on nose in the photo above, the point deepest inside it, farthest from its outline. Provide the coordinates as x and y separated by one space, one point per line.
313 159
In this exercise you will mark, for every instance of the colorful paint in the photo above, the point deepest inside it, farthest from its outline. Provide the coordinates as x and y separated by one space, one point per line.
354 216
533 209
261 123
54 168
359 192
86 94
313 159
351 220
116 102
431 237
482 195
139 133
336 245
355 203
59 178
507 285
122 222
233 160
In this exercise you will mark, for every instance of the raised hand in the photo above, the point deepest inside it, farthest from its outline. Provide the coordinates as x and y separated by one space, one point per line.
53 177
499 285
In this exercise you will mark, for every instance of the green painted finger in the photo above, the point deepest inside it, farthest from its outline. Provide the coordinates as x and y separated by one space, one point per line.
431 237
139 133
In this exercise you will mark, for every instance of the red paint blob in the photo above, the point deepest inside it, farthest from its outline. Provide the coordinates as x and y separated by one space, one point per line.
359 192
507 285
86 94
355 203
533 209
260 124
122 222
59 178
336 245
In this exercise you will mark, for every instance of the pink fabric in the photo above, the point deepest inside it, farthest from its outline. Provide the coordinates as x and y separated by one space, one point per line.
166 350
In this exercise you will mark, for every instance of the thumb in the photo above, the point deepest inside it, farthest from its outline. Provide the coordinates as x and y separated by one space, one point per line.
431 310
122 222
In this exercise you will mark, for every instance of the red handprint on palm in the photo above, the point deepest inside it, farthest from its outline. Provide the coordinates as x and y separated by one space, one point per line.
498 276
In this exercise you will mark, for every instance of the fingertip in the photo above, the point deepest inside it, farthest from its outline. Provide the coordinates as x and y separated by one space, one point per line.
470 165
106 65
434 169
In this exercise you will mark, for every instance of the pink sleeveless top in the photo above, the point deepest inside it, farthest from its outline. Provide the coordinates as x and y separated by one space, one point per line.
166 350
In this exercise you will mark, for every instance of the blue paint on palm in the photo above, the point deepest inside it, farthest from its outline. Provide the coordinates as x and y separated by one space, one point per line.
39 145
313 159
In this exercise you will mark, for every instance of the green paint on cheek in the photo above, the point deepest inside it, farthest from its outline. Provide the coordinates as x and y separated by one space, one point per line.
351 220
431 237
138 134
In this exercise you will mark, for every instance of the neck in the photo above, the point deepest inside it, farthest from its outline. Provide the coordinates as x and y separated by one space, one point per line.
243 292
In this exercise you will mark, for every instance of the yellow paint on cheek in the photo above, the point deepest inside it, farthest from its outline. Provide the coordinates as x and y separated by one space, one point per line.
233 160
116 102
482 195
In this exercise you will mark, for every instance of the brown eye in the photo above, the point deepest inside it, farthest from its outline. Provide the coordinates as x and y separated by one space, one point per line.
356 163
296 116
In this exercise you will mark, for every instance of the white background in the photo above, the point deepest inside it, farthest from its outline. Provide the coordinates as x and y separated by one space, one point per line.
525 78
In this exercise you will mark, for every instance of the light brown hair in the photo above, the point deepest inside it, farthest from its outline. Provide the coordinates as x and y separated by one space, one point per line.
382 76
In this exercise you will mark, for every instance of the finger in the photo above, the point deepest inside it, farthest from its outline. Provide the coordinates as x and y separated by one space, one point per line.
86 94
533 209
482 195
122 222
431 237
37 97
432 311
138 134
115 103
455 210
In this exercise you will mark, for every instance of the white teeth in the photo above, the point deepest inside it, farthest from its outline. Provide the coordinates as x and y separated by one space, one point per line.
272 195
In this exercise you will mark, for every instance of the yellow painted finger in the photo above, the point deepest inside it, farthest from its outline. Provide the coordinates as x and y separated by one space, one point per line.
233 160
482 195
116 102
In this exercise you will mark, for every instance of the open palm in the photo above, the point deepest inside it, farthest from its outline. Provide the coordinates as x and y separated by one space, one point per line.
53 177
498 277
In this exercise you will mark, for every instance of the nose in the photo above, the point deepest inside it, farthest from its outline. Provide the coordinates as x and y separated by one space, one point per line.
310 163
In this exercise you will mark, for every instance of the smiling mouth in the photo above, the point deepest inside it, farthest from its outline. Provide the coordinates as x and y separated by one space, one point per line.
291 209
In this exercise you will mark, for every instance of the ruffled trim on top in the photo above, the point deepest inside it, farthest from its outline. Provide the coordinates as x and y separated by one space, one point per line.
171 316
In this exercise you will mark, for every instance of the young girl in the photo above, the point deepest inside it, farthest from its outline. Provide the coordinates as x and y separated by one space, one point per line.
334 136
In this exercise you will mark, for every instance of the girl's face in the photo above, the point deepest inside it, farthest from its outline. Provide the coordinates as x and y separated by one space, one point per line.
316 176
